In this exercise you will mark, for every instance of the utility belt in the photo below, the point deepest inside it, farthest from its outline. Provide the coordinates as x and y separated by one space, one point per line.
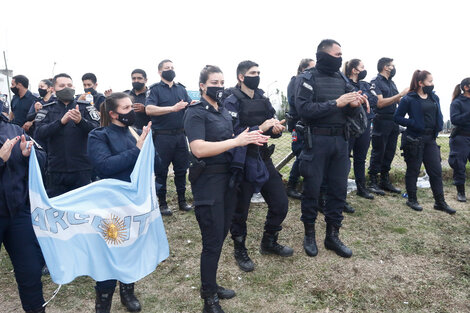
308 131
457 131
428 131
383 117
168 131
197 168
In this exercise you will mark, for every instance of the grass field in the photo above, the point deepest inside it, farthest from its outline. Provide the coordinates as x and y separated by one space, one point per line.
404 261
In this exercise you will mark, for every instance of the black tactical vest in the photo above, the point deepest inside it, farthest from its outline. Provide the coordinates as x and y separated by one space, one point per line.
252 112
326 88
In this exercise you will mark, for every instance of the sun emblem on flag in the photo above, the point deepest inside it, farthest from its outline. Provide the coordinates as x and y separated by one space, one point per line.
113 230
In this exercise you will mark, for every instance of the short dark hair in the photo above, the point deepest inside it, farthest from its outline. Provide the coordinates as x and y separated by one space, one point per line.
382 63
303 65
244 66
23 80
205 72
48 82
89 76
160 65
139 71
326 44
54 80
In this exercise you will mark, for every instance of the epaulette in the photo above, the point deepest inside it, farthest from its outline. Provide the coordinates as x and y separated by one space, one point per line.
180 84
83 102
153 85
49 104
306 74
195 103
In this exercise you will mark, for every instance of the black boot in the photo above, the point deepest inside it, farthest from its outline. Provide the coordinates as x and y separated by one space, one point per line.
103 302
241 254
310 244
211 304
164 209
182 204
292 191
223 293
363 192
461 193
269 245
348 208
373 185
128 297
386 185
441 205
412 201
39 310
332 242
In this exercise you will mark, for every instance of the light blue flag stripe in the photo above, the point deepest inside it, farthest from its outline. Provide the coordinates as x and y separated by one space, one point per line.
109 229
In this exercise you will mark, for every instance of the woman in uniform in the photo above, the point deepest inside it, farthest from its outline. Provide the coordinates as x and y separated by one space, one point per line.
208 126
459 141
419 145
116 147
355 72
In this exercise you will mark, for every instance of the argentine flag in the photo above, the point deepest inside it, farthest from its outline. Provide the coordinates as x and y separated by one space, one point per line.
109 229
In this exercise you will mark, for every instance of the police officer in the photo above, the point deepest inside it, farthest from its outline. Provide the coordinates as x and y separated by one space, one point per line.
138 95
90 83
46 98
419 145
385 131
22 101
459 141
115 149
250 108
64 126
297 138
323 100
356 72
16 230
208 126
166 103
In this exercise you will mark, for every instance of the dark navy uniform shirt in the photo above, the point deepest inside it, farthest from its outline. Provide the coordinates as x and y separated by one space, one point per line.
14 172
386 88
460 112
114 152
141 119
21 106
366 89
203 121
66 144
98 99
160 94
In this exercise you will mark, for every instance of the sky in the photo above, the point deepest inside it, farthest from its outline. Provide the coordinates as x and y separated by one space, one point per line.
111 38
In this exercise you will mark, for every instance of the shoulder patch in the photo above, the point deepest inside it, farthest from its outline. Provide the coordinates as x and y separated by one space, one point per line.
372 89
94 114
233 114
40 115
307 86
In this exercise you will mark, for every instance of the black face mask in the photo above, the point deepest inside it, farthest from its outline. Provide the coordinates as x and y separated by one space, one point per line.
65 95
428 89
362 75
328 63
42 92
15 90
169 75
393 72
127 119
90 90
215 93
138 86
252 82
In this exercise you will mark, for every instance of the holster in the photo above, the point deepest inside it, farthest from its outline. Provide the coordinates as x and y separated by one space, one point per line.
411 147
454 132
196 168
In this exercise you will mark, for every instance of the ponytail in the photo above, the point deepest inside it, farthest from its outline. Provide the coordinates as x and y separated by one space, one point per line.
349 65
459 88
456 92
418 76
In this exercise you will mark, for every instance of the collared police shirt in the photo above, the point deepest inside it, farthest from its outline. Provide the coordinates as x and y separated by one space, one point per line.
66 144
203 121
20 107
160 94
386 88
141 119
